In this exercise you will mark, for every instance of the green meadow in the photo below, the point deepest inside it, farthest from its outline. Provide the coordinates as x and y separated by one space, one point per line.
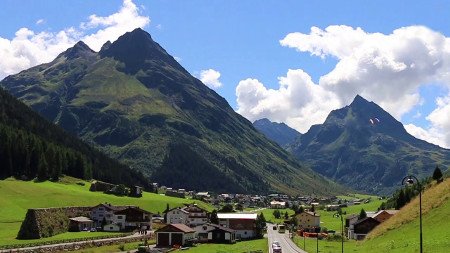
18 196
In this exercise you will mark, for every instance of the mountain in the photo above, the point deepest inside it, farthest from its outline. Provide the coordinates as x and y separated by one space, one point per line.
33 147
364 147
277 132
135 102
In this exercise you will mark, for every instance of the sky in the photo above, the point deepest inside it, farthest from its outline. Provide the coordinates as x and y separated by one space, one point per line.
289 61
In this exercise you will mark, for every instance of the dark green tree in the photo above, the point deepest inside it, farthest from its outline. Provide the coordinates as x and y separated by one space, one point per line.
362 214
42 173
228 208
213 217
286 215
260 225
437 174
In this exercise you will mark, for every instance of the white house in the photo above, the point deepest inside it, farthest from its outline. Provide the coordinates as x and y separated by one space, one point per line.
244 224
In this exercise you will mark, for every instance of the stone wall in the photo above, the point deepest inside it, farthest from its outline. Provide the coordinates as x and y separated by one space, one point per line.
46 222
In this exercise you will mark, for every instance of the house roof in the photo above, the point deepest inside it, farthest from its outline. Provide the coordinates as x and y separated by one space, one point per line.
81 219
365 220
311 213
132 208
222 228
111 207
244 216
176 228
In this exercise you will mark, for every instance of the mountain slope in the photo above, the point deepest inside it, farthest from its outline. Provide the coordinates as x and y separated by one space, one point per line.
136 103
365 148
28 139
277 132
401 232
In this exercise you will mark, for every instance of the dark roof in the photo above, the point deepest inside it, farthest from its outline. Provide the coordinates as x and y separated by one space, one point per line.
222 228
111 207
365 220
176 228
133 208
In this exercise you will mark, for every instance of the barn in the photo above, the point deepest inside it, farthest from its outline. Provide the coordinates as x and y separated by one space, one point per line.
174 234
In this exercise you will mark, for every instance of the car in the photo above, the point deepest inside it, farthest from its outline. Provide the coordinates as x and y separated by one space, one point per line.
276 243
276 248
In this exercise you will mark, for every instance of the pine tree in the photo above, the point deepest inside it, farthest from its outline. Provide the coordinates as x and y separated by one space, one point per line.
437 174
362 214
42 173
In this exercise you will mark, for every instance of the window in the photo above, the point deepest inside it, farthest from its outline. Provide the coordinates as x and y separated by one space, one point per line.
119 217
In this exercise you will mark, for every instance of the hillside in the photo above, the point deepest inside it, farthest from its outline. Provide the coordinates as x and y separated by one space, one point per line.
18 196
136 103
277 132
364 147
33 147
401 232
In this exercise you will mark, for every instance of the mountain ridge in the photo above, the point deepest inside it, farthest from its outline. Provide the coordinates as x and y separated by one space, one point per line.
146 111
364 147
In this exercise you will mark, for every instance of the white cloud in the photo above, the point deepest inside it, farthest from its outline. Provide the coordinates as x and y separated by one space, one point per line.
298 101
40 21
29 48
210 78
385 68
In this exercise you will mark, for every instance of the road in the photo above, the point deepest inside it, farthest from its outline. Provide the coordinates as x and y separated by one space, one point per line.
286 243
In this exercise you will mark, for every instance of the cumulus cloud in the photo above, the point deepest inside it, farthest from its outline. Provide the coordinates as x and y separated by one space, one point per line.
298 101
385 68
210 78
29 48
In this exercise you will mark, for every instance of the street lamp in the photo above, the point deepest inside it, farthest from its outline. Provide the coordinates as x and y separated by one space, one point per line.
337 215
410 180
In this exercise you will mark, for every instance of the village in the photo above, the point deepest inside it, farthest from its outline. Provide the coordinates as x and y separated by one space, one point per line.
235 217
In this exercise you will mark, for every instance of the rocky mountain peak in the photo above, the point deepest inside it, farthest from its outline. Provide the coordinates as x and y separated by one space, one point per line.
80 49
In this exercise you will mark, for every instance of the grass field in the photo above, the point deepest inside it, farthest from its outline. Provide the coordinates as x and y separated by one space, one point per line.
18 196
239 247
268 214
400 233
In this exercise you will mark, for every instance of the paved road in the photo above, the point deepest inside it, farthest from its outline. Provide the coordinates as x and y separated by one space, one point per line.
287 246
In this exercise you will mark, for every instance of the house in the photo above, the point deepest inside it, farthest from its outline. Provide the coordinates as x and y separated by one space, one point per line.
174 234
197 215
277 204
308 219
383 215
133 217
350 220
214 233
80 224
174 193
177 216
190 215
363 226
103 213
243 223
202 195
136 191
123 217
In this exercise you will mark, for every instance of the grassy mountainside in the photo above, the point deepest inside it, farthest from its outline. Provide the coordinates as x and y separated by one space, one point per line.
136 103
365 148
18 196
401 233
28 140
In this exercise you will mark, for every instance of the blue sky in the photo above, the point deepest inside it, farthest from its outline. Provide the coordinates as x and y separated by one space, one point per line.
241 40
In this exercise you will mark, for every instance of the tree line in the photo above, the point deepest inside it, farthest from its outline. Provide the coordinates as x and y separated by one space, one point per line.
32 147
